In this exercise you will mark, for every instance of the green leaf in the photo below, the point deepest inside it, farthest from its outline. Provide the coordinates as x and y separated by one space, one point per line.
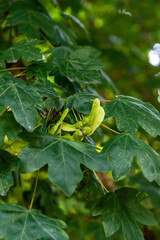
27 224
106 78
82 102
63 158
38 69
59 36
53 100
75 20
31 20
77 66
121 150
129 112
34 22
22 99
89 188
123 209
23 49
9 127
8 163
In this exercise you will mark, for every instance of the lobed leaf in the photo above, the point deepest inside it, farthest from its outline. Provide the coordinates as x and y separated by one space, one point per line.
8 163
121 150
63 158
129 112
22 99
77 66
122 209
23 49
27 224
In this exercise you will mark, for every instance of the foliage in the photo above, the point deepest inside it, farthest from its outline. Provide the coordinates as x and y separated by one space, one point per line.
55 104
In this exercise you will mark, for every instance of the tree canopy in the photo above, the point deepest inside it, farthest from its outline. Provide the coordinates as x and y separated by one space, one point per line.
79 120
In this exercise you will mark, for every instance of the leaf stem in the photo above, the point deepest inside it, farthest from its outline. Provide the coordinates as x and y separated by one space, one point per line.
100 182
105 100
20 74
74 115
109 128
34 192
7 69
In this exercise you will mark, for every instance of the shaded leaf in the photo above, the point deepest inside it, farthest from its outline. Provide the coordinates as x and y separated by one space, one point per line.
77 65
121 150
9 127
82 102
34 22
38 69
123 209
106 78
60 37
8 163
23 49
63 158
129 112
75 20
53 100
27 224
22 99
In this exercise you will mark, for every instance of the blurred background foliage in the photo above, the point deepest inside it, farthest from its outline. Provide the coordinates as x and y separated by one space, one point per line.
125 32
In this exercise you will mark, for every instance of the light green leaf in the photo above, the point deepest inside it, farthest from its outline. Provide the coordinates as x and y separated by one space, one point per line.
8 163
63 158
22 99
23 49
121 150
129 112
123 209
27 224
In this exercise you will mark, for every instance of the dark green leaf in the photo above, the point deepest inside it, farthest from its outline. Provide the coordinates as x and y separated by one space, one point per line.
33 20
22 99
38 69
123 209
63 158
82 102
130 111
27 224
8 163
59 36
23 49
121 150
106 78
76 66
53 100
9 127
75 20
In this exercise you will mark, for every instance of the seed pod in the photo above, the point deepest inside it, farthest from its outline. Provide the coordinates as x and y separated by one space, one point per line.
78 125
85 121
78 136
87 131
